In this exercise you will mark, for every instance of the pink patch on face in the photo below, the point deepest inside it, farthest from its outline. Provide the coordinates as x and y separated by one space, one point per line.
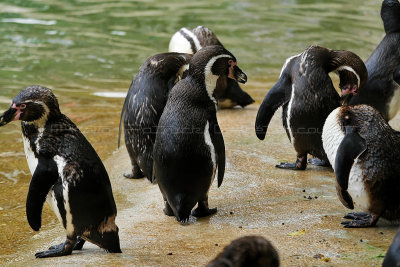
18 113
232 64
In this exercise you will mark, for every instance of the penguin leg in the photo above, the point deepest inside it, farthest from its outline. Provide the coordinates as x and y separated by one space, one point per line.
168 210
360 220
78 245
136 172
300 164
319 162
59 250
202 209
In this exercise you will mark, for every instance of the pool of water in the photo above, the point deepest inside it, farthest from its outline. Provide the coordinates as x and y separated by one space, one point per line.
87 51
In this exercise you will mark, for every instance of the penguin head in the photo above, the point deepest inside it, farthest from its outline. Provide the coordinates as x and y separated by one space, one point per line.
212 62
35 104
390 14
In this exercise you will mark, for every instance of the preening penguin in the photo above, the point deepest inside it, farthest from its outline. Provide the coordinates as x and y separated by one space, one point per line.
382 90
66 171
255 251
229 93
392 258
144 105
189 146
307 95
364 152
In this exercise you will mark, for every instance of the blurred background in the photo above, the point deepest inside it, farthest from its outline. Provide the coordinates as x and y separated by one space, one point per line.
83 49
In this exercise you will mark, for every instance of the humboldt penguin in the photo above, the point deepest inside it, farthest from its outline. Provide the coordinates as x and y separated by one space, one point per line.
392 258
144 104
364 152
189 146
190 41
66 171
382 90
255 251
307 96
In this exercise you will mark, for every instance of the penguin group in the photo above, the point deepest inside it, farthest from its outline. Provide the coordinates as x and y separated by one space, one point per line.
173 138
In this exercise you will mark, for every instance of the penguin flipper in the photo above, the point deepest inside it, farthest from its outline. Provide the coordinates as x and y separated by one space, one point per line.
278 95
349 149
219 145
44 177
396 75
124 107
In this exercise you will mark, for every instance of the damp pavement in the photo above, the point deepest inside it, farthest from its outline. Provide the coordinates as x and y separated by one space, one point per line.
298 211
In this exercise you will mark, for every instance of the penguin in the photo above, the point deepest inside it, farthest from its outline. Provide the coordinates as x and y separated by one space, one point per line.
143 106
382 89
189 146
364 152
392 258
191 41
255 251
66 171
307 96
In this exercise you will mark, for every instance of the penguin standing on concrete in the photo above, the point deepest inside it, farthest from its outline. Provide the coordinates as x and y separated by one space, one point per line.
191 41
382 90
364 152
307 95
144 105
189 146
66 171
392 258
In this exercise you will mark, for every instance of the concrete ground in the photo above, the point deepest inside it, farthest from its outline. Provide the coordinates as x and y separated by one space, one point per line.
298 211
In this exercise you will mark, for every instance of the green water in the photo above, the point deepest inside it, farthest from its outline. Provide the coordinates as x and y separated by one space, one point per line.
78 48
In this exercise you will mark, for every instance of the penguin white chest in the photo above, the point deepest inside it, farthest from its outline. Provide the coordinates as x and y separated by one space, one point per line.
208 141
289 115
394 105
30 156
356 187
332 136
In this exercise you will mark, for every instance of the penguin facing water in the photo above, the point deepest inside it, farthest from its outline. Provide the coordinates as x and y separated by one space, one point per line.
144 105
307 95
66 171
382 90
190 41
364 152
189 146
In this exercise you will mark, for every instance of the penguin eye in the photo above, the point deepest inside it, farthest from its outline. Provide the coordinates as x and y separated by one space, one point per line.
230 61
22 106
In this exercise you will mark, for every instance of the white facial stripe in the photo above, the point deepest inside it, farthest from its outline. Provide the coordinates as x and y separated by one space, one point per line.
179 44
286 63
211 79
195 40
348 68
42 120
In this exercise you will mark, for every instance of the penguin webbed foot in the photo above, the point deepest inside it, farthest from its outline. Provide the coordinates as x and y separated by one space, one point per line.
360 220
78 245
203 210
135 174
300 164
58 250
319 162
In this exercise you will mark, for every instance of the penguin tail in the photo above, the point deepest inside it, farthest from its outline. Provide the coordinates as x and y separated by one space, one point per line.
181 208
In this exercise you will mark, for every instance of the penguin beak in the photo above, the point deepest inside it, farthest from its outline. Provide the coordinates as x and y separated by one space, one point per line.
12 114
237 74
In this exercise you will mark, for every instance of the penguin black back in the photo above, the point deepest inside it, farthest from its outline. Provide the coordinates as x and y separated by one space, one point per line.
307 96
66 170
382 88
189 146
144 104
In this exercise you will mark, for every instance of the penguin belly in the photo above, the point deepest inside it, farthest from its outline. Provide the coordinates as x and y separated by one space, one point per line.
208 141
52 201
332 136
356 186
394 104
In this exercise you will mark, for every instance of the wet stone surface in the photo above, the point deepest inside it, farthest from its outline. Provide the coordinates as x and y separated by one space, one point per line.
298 211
